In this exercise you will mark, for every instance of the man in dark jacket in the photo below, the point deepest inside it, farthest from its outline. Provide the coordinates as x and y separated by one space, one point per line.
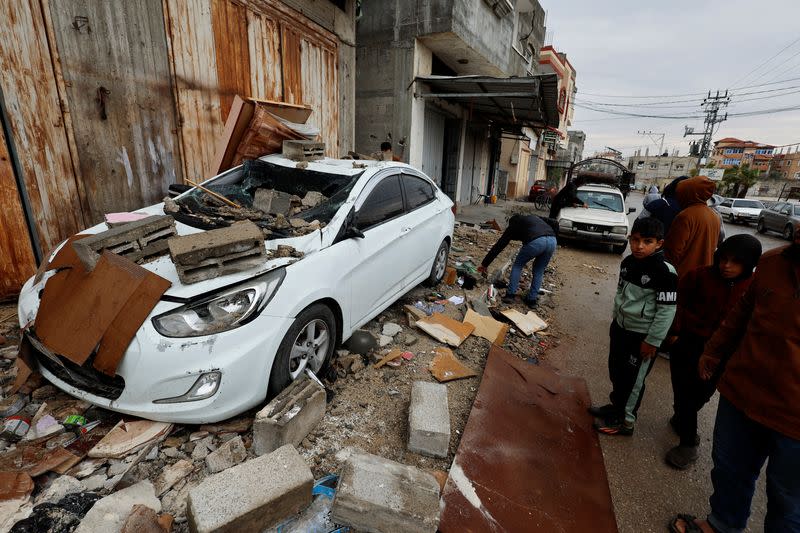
705 295
538 237
667 207
566 197
758 420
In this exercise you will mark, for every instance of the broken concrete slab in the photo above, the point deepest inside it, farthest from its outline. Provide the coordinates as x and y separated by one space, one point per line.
313 198
290 416
128 437
529 323
384 340
108 515
445 329
138 241
218 252
487 327
144 520
226 456
429 419
58 488
251 496
272 202
376 494
171 474
446 367
391 329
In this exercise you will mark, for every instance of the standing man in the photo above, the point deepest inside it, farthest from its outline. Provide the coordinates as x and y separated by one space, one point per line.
538 237
694 234
758 419
387 154
566 197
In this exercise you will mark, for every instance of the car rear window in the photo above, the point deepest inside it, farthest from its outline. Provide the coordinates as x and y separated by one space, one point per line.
751 204
418 191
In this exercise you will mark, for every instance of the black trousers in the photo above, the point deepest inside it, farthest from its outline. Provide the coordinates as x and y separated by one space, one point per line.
627 371
690 393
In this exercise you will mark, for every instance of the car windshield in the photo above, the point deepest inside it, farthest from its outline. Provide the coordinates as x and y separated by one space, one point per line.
278 199
797 210
752 204
601 200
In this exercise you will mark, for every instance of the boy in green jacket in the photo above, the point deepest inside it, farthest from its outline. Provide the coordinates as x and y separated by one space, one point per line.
644 308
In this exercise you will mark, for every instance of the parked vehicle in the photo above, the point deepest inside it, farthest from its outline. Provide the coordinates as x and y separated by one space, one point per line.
781 217
605 221
740 210
538 186
215 348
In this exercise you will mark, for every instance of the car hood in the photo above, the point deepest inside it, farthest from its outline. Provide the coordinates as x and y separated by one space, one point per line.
594 216
747 210
164 267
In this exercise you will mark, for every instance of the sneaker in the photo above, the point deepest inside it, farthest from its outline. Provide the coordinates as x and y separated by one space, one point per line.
602 411
532 304
664 355
614 426
681 457
509 298
673 422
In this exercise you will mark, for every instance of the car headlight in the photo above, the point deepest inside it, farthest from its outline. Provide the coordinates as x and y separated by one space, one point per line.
622 230
221 311
205 387
564 223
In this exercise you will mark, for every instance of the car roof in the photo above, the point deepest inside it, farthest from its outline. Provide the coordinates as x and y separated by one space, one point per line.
344 167
599 187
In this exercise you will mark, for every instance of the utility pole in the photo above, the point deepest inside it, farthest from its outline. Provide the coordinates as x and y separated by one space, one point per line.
653 136
712 106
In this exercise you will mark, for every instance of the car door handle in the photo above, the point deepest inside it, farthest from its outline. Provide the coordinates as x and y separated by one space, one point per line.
405 230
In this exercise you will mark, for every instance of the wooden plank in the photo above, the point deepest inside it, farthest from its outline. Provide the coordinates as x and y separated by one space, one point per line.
229 22
264 41
117 74
17 262
35 120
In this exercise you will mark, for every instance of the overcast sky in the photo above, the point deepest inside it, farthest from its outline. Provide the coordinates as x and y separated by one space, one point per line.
632 48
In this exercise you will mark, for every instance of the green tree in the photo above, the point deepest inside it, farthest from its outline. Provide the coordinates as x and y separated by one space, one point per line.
739 179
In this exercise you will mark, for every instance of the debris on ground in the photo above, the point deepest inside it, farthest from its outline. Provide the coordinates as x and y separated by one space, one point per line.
445 329
445 367
529 323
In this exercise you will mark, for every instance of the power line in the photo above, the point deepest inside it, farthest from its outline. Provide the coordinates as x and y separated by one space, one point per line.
758 67
659 104
778 65
685 94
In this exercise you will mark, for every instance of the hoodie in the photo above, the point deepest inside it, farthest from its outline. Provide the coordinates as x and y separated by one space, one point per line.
694 234
761 335
667 207
652 196
705 297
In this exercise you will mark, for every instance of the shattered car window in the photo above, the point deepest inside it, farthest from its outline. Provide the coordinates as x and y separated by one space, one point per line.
283 201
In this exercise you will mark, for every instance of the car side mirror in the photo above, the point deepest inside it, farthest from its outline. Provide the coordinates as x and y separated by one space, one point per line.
631 210
352 232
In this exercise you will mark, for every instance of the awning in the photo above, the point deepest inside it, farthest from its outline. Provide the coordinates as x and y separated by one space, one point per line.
511 102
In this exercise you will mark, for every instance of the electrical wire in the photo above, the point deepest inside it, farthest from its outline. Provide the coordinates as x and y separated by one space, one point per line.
685 94
758 67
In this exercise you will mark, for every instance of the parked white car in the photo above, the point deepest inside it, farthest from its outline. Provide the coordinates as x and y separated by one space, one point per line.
388 228
740 210
604 221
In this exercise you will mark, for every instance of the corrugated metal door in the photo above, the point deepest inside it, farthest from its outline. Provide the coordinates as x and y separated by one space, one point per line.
467 168
433 147
115 67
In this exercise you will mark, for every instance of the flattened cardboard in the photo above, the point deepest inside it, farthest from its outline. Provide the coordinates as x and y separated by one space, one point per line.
445 329
445 367
487 327
14 485
528 323
129 437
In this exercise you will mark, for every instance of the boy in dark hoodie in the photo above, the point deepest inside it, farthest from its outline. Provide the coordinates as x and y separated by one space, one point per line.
705 295
644 309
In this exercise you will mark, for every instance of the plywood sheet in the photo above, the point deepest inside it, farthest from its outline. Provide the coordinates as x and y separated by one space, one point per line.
529 323
529 459
445 329
487 327
446 367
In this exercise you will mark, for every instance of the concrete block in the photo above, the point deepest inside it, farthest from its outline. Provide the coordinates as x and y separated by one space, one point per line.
272 202
289 417
251 496
302 150
213 253
138 240
226 456
108 515
378 495
429 419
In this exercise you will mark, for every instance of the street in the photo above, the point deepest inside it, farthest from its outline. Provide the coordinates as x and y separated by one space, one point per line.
646 492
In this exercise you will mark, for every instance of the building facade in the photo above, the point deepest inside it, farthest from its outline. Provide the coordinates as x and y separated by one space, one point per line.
659 169
550 153
731 152
786 165
131 97
400 42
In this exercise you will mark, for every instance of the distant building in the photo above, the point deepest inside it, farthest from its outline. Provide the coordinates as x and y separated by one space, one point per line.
577 139
550 165
731 152
786 166
659 169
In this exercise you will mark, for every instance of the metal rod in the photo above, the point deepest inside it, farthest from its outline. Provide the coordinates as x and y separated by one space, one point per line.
212 193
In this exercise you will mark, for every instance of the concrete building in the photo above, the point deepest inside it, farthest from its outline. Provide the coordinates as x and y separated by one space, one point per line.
786 165
577 139
409 58
550 165
659 169
731 152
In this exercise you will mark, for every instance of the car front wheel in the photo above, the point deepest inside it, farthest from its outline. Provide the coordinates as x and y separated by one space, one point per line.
309 343
760 226
620 248
788 232
439 265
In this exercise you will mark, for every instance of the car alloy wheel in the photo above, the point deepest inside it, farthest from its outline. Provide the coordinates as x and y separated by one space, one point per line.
439 265
310 348
760 226
788 232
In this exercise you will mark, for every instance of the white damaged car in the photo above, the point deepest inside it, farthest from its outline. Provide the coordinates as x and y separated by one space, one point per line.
603 221
213 349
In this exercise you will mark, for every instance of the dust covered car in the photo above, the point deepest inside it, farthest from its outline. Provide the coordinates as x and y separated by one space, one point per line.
603 221
344 240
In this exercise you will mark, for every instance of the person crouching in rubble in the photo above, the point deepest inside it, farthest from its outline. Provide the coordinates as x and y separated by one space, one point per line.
538 237
705 295
644 309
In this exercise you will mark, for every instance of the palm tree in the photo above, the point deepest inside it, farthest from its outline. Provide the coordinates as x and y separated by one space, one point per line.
739 179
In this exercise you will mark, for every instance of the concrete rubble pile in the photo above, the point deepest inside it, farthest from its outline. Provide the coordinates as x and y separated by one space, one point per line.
385 416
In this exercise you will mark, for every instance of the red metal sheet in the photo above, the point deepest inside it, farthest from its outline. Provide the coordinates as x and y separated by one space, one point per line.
529 459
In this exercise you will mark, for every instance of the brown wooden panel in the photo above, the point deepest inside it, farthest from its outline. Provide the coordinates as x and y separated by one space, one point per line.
291 63
35 119
115 67
16 253
229 21
264 38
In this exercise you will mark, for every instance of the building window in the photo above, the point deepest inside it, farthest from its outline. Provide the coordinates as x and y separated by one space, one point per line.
730 161
734 150
679 166
653 166
640 165
764 151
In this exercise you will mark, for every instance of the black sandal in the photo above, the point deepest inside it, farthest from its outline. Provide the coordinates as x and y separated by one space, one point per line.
691 525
